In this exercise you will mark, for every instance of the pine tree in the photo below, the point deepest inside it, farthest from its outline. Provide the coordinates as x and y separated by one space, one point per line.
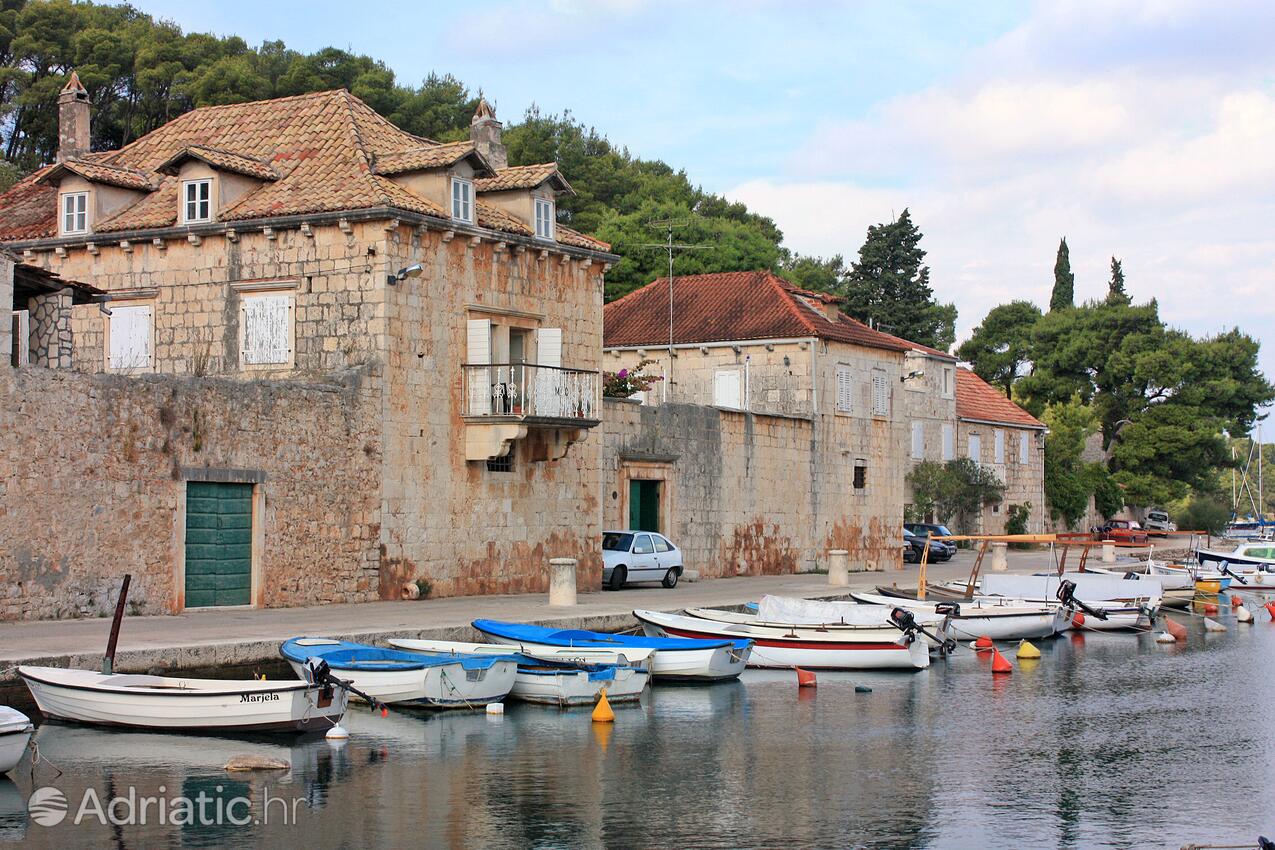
889 286
1115 289
1064 294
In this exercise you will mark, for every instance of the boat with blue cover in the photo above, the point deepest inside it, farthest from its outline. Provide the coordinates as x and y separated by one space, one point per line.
676 659
393 676
543 680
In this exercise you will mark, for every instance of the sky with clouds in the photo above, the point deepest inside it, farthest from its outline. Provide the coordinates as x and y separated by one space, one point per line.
1140 129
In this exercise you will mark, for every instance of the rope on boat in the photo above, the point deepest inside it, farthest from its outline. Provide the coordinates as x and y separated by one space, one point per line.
36 758
448 682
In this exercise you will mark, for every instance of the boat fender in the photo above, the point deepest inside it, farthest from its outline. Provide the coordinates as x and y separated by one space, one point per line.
602 712
805 678
1236 601
1026 649
1211 625
983 642
1174 628
1243 615
1165 637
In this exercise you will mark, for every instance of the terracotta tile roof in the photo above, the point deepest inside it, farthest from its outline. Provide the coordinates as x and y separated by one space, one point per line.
420 158
497 219
978 400
99 172
223 160
29 209
576 239
523 177
732 306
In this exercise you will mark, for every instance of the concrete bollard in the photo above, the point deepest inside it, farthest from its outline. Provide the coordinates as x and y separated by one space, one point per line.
562 581
1000 563
1108 551
838 567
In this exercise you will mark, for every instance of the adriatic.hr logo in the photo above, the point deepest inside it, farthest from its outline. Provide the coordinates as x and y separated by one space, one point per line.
49 807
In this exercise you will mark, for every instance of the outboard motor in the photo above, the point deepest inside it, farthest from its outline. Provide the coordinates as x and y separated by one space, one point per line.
950 609
318 672
1067 596
1225 569
905 621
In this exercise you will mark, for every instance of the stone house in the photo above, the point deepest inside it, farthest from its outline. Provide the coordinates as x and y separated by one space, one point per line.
774 435
995 432
314 359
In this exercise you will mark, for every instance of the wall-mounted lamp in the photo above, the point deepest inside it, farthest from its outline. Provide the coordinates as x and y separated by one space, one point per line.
919 373
414 270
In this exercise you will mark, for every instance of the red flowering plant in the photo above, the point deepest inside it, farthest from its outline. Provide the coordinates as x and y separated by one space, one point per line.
626 382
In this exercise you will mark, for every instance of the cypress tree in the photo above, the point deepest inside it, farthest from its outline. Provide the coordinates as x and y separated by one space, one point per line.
1064 294
1115 289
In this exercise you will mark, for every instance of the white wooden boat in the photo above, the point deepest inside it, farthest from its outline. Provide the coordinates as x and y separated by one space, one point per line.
864 620
561 683
392 676
807 647
995 618
183 704
675 660
15 735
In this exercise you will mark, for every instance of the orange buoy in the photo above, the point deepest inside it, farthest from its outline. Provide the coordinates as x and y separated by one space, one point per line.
1000 664
1077 619
1236 601
602 712
1175 628
805 678
1210 608
1270 609
985 642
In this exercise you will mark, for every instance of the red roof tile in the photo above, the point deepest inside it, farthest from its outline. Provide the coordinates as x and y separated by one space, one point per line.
223 160
980 401
523 177
99 172
732 306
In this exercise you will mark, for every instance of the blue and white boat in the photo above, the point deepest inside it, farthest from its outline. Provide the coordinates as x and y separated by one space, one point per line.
392 676
545 681
676 659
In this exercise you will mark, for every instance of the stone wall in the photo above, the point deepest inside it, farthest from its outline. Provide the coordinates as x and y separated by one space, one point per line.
1024 482
51 338
96 468
926 402
6 305
747 494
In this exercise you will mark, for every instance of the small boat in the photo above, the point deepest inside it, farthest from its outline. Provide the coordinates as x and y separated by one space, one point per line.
15 735
809 647
998 619
172 704
786 613
393 676
1178 591
675 659
561 683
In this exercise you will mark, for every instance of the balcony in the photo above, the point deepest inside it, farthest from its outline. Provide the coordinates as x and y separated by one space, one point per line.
548 406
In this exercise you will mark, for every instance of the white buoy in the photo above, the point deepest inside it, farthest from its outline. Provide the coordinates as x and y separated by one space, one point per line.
495 708
1243 615
1165 637
1211 625
338 733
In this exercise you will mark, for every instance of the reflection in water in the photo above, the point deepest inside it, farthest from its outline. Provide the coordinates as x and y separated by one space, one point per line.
1108 741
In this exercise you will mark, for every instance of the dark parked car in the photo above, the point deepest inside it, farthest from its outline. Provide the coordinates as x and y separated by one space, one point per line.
915 545
920 529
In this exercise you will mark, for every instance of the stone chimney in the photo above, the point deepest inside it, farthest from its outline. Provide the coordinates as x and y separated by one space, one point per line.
73 120
484 130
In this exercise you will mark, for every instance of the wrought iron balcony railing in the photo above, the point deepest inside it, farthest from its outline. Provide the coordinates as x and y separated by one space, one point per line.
531 391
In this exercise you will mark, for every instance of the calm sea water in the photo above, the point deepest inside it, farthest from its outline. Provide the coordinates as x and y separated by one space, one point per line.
1108 741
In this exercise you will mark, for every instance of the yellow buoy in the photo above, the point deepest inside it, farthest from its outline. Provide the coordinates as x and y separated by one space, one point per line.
602 712
1027 650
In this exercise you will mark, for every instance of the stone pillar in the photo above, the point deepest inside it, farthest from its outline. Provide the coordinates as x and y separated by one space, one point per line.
838 567
999 562
1108 551
562 581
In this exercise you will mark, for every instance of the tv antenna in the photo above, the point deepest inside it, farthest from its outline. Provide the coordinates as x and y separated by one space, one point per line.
671 248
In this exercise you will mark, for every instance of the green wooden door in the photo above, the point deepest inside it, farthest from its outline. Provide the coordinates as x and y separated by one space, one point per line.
218 544
644 505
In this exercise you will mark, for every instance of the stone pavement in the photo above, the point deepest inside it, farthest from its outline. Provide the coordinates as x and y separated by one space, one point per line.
238 637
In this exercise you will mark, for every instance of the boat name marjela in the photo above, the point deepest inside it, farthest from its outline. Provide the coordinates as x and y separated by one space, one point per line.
258 697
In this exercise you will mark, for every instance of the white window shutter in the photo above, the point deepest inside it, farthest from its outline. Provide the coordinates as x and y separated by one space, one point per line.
549 347
880 394
478 358
130 337
1024 456
999 438
267 320
918 440
726 390
949 442
976 448
845 388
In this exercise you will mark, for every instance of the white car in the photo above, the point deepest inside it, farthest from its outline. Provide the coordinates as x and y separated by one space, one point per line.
1158 520
639 556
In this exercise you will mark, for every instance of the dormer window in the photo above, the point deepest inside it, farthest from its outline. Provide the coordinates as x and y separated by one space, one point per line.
544 219
462 200
75 212
198 205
